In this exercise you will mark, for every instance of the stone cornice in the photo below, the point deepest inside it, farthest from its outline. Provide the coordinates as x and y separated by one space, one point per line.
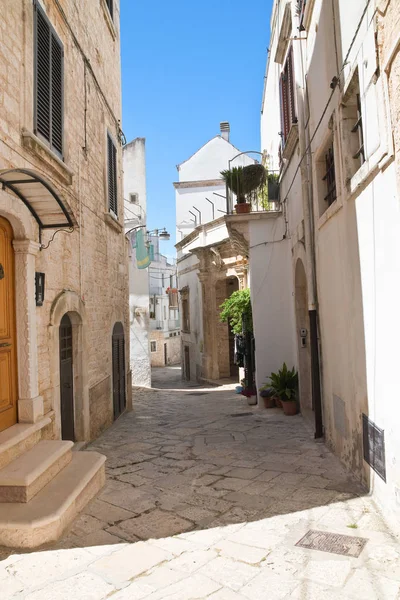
201 183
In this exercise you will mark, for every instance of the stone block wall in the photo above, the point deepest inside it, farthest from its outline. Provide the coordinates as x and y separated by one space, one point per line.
91 262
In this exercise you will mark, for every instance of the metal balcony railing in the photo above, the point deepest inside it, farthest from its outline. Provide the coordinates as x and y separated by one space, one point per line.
266 199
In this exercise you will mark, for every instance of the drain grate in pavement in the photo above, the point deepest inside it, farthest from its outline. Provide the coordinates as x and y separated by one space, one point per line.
333 542
241 414
199 394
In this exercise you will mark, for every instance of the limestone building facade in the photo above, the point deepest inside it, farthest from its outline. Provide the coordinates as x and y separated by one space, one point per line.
64 343
332 80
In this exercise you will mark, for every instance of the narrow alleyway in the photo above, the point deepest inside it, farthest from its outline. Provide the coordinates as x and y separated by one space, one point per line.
207 498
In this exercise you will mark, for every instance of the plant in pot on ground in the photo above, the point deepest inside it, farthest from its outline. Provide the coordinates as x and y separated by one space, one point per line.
242 181
285 384
268 395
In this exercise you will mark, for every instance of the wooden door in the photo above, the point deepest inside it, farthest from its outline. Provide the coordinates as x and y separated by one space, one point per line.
8 350
66 380
118 368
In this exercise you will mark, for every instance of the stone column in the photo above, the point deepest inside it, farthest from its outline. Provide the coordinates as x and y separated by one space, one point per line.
208 293
30 404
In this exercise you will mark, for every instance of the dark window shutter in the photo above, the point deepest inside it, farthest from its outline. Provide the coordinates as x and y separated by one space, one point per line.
56 94
49 84
112 176
291 86
284 106
110 5
43 86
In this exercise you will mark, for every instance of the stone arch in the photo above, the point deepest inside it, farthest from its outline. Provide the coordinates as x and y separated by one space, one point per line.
68 302
18 215
303 342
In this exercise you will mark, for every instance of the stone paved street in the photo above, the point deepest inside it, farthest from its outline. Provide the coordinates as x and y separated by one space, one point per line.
206 498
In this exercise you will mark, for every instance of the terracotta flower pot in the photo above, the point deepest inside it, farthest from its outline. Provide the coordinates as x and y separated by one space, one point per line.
269 402
289 407
278 402
243 207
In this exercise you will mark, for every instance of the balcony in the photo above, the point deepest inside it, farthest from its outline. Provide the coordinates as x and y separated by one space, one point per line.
264 199
156 324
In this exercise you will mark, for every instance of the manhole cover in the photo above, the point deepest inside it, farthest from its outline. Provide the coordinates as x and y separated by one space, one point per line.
333 542
242 414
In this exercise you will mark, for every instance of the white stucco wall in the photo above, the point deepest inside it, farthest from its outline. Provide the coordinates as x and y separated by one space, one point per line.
271 297
134 164
205 166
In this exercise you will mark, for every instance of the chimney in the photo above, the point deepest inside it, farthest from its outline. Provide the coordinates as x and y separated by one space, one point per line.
225 130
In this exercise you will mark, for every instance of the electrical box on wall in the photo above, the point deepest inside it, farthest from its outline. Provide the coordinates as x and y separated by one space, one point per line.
39 288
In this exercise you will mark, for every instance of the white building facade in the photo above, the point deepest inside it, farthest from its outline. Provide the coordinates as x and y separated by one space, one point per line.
165 344
135 211
340 205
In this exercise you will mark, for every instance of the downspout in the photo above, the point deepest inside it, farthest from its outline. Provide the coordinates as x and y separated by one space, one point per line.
309 238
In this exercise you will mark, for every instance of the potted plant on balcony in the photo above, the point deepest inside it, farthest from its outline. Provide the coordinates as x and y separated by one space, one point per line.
284 384
242 181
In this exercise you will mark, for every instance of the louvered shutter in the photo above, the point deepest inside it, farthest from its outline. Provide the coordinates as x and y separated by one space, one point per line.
43 85
284 107
291 88
49 84
57 93
112 176
110 7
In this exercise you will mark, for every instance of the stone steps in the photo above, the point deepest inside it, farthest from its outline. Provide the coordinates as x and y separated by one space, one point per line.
20 438
25 476
44 517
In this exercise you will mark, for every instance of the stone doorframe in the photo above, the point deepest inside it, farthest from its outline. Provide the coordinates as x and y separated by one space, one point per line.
69 302
30 404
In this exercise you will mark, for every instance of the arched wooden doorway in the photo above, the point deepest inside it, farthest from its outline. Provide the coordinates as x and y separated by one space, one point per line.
66 380
8 350
118 369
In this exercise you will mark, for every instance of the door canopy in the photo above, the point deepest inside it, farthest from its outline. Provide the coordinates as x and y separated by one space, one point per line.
46 206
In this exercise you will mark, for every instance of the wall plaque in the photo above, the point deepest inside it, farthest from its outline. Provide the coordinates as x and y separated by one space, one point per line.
374 447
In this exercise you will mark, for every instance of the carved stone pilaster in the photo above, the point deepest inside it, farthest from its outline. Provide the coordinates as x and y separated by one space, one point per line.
30 404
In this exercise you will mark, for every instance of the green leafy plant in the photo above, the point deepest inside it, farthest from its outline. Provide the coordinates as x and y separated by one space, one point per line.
237 310
269 192
244 180
285 383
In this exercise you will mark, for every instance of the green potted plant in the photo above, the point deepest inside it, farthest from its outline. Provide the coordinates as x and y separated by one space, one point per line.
268 395
285 383
242 181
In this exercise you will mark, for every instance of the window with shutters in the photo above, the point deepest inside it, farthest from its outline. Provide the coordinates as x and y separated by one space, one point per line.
287 97
153 346
328 187
352 128
48 83
112 176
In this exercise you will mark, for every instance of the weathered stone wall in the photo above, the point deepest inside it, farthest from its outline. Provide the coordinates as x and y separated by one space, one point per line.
92 261
173 349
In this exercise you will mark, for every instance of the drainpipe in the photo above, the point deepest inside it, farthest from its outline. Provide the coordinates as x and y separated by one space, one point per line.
309 238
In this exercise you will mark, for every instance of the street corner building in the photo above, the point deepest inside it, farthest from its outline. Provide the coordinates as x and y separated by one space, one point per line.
64 312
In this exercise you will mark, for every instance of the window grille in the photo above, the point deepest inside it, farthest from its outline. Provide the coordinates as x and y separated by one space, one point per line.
358 128
329 176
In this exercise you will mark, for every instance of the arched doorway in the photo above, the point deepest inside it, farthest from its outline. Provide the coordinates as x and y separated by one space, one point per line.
8 351
66 380
118 369
225 339
303 338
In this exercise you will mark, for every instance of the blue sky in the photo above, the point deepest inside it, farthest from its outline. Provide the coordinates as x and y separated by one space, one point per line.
186 66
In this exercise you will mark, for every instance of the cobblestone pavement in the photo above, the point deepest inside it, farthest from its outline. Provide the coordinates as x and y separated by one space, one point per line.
206 498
